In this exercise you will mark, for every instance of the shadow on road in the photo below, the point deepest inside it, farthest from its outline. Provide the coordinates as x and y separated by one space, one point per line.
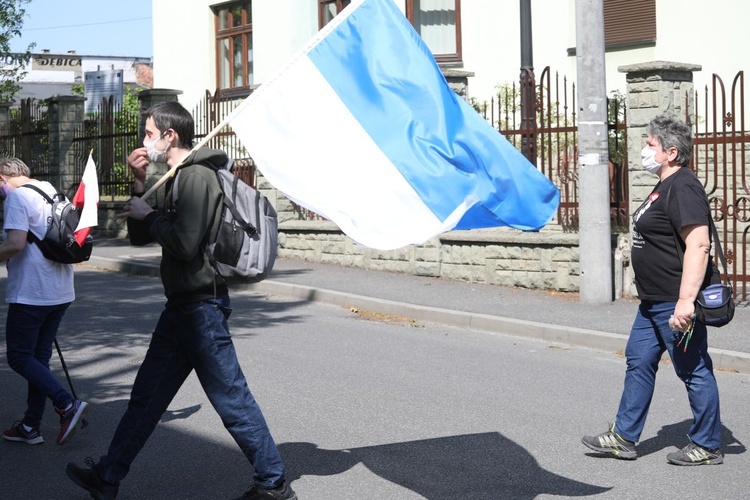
483 466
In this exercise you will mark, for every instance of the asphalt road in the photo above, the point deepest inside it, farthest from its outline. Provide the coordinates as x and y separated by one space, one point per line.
368 407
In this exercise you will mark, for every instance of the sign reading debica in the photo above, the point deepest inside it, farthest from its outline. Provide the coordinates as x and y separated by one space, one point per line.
56 63
100 85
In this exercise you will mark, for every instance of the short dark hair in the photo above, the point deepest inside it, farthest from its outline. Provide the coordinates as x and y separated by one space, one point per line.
173 115
13 167
673 133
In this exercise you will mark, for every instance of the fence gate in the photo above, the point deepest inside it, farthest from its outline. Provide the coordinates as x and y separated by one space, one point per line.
539 119
721 161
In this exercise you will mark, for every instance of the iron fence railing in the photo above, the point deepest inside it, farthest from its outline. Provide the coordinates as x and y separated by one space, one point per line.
539 118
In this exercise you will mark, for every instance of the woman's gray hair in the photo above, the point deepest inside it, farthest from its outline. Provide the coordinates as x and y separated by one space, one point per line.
673 133
13 167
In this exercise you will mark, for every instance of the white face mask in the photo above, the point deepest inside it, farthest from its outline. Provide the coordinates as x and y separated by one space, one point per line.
154 155
648 160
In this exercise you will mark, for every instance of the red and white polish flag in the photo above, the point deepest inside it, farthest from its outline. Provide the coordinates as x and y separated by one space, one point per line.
87 199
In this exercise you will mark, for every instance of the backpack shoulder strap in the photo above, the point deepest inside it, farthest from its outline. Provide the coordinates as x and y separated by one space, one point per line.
45 195
30 235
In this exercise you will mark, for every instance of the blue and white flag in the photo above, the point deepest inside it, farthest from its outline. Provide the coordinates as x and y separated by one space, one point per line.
362 128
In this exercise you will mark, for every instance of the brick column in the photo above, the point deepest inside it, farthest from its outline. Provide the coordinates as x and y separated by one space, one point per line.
65 114
653 88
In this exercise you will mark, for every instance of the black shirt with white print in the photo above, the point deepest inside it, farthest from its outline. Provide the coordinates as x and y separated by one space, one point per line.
656 263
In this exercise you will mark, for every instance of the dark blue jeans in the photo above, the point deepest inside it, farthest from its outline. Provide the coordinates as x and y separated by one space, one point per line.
29 334
649 338
190 337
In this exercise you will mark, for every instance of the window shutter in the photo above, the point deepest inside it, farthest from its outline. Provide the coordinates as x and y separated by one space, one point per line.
629 21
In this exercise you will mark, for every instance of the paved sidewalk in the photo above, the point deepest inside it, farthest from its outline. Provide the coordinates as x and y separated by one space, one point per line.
555 317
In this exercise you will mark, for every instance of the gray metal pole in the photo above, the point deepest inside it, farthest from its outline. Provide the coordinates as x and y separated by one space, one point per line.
527 53
595 239
527 85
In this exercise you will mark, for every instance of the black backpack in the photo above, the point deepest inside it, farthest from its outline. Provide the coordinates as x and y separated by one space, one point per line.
59 243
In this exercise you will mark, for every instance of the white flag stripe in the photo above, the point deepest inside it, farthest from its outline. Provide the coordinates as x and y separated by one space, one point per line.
90 211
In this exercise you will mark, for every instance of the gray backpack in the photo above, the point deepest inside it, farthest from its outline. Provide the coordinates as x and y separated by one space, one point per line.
244 248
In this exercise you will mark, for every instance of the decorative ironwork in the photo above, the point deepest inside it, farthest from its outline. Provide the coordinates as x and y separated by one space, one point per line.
721 162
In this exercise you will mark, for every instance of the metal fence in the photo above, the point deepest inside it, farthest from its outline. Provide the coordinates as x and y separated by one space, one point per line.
538 116
110 134
26 136
721 160
209 113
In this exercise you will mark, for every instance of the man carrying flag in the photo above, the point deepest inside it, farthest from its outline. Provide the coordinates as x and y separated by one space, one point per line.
192 333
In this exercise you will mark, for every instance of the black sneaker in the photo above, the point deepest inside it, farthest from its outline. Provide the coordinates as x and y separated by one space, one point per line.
612 443
89 480
283 492
693 454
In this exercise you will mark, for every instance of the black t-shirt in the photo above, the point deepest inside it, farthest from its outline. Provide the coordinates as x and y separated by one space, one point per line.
656 263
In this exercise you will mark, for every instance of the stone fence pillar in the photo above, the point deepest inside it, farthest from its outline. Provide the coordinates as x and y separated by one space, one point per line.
5 117
65 115
653 88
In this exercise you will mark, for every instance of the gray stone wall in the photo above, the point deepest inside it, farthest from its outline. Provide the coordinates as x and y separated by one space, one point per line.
500 256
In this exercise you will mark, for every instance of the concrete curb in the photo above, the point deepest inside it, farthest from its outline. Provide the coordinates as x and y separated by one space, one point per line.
723 359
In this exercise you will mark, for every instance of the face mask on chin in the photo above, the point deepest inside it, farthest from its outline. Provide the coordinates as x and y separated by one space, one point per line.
648 160
152 153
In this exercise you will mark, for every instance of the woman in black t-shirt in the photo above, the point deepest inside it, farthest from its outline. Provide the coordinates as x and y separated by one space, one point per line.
675 213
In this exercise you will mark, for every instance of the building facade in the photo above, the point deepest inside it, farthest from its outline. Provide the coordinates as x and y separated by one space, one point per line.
49 74
237 45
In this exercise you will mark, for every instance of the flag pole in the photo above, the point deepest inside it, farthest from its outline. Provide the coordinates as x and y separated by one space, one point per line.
170 173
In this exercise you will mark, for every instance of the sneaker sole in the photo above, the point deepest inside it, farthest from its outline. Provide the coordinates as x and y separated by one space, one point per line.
75 423
713 461
36 440
622 455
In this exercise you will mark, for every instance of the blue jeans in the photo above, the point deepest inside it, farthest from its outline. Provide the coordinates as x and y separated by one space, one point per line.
29 334
191 337
649 338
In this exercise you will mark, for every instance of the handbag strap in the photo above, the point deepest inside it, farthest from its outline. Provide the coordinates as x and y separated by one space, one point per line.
717 242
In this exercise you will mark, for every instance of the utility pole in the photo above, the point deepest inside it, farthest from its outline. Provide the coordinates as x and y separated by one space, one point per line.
595 238
527 84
